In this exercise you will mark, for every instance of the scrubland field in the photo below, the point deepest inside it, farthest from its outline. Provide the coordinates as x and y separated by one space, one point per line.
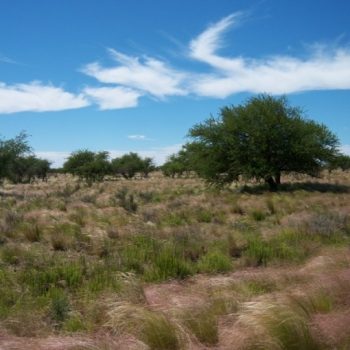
164 263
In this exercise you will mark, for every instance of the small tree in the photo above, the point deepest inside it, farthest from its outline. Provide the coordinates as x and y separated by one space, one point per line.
177 164
130 164
260 140
26 168
10 151
341 161
147 166
88 165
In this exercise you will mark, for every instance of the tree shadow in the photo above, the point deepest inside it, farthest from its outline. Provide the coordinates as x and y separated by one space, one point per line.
297 186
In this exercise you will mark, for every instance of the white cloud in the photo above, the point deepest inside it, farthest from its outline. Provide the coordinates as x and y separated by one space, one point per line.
36 97
113 97
56 158
345 149
203 47
275 75
137 137
149 75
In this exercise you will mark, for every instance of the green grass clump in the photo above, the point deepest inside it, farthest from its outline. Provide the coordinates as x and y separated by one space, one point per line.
203 323
258 215
54 273
168 263
155 260
59 306
287 246
280 325
281 248
74 323
215 262
152 328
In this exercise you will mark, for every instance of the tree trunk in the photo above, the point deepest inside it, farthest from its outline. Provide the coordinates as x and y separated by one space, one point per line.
278 178
272 183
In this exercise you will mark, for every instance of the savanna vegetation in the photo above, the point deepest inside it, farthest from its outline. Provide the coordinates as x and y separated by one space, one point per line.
111 254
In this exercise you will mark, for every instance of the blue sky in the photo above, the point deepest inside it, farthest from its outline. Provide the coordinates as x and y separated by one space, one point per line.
136 75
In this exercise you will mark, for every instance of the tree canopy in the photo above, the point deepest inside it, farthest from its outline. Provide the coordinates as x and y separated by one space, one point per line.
130 164
17 162
88 165
259 140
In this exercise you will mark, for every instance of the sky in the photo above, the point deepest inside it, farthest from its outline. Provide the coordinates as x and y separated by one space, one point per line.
136 75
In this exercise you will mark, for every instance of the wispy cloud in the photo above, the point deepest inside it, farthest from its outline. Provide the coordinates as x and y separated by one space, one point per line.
6 59
203 48
138 137
36 97
129 78
323 69
147 75
113 97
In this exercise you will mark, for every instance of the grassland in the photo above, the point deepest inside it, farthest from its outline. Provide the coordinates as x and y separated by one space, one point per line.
164 263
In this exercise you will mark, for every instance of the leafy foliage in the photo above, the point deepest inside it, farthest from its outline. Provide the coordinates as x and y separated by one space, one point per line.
130 164
260 140
18 164
177 165
88 165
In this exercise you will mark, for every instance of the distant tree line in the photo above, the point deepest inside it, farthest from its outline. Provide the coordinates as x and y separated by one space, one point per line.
95 166
260 140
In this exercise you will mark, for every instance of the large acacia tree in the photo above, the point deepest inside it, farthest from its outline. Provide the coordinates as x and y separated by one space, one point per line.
260 139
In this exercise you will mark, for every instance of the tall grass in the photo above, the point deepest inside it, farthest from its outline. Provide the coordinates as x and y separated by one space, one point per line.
153 328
